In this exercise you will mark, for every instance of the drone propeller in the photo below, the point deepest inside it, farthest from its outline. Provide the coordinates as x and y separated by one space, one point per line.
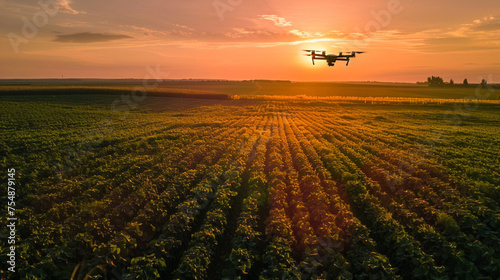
323 53
312 54
315 54
354 53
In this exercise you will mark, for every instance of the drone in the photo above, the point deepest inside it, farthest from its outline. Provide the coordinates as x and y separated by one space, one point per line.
331 58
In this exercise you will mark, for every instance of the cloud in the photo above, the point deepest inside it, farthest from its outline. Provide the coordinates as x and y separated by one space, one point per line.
278 21
246 44
250 33
487 24
301 34
176 31
449 44
334 34
66 8
478 35
184 27
147 31
88 37
71 23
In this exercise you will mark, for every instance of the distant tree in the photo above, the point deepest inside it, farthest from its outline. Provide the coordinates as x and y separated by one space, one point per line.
466 82
484 83
435 81
452 82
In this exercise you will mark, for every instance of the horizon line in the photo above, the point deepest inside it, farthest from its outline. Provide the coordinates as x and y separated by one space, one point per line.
220 79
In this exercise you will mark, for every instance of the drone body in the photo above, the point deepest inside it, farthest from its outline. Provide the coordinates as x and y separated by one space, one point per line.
331 58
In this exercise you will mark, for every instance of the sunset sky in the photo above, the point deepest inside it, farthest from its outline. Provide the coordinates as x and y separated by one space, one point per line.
404 40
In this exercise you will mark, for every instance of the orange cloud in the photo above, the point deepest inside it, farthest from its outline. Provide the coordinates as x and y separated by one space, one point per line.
66 8
278 21
88 37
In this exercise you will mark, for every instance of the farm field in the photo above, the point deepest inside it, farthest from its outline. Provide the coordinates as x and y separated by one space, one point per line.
259 88
222 188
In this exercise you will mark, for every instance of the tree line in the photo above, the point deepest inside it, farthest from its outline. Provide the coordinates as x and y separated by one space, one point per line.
438 81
